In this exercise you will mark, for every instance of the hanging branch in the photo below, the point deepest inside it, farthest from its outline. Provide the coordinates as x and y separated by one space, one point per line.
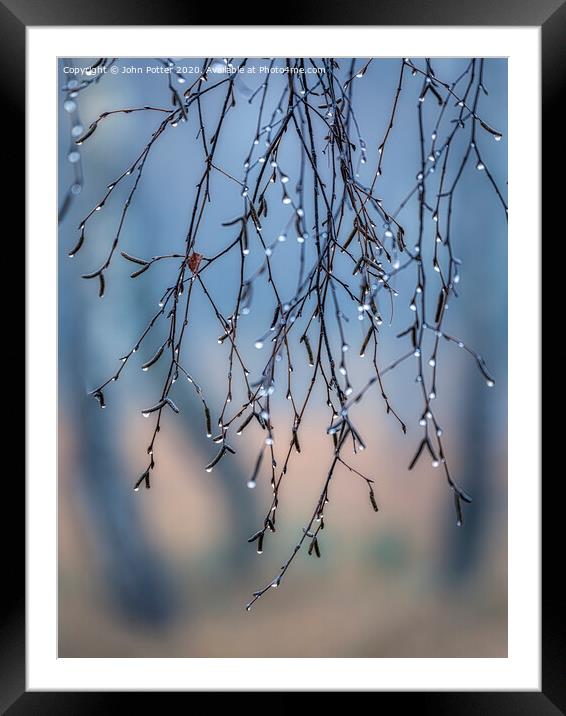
352 247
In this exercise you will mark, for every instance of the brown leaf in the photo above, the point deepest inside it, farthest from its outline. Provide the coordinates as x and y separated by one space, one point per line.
194 262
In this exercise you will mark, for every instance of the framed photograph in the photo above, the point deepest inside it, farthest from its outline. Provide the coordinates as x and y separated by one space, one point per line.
283 366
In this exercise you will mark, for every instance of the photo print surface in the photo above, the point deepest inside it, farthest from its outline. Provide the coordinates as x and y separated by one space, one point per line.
282 357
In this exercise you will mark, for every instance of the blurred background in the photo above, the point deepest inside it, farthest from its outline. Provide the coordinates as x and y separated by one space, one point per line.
167 572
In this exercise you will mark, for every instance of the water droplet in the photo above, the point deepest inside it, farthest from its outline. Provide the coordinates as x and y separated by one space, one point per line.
497 137
435 463
251 484
422 422
286 199
480 166
489 383
432 362
145 414
432 395
258 345
69 105
269 441
77 130
282 237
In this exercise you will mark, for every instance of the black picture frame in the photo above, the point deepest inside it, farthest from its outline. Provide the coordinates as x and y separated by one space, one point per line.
550 15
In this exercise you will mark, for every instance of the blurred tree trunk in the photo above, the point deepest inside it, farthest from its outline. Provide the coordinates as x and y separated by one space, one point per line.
475 474
132 571
484 312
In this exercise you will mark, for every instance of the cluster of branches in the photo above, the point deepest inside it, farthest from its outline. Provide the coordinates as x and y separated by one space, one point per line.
351 231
